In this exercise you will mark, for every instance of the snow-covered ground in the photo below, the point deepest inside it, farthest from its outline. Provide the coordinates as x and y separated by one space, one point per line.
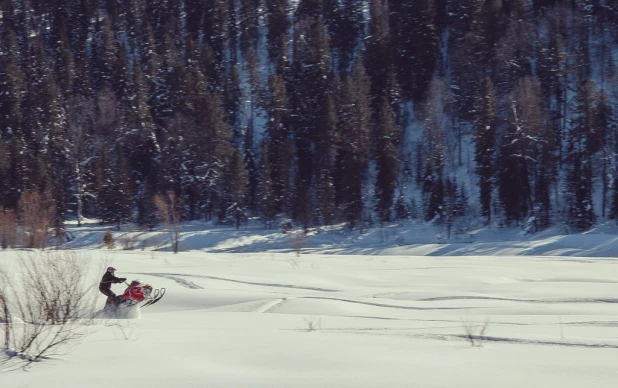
405 238
244 310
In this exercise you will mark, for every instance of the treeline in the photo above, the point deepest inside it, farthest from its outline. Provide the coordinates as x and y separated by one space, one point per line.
323 111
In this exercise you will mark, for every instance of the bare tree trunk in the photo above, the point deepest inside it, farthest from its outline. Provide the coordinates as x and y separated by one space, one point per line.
605 184
169 209
78 183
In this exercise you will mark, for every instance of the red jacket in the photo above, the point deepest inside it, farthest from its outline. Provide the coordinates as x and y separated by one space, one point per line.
134 293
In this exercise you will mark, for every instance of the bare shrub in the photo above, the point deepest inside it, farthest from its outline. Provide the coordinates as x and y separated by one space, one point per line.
169 209
128 241
8 228
143 243
313 324
108 240
475 332
298 240
36 216
294 263
47 303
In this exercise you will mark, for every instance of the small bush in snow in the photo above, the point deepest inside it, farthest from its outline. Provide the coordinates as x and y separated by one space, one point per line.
313 324
108 240
298 240
475 332
46 303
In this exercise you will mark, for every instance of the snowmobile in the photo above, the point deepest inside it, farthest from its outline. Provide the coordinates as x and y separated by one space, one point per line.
136 293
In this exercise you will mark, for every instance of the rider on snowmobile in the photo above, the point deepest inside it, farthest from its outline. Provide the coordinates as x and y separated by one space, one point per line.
105 286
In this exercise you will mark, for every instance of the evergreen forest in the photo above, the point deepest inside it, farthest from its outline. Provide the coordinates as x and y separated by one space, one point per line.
318 111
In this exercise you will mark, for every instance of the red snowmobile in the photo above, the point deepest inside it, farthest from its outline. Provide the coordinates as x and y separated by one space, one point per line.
135 293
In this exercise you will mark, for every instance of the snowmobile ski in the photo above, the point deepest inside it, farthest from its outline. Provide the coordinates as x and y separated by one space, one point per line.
158 294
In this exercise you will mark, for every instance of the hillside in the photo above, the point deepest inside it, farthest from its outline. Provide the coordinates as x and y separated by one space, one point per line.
458 112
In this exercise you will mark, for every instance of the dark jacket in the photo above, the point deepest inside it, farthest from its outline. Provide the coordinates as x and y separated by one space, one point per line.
107 280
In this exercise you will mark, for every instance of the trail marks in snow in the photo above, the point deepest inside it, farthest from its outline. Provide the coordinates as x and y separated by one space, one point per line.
270 305
567 300
182 281
176 275
428 302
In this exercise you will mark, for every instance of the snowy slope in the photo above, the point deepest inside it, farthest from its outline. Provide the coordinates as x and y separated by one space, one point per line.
405 238
243 319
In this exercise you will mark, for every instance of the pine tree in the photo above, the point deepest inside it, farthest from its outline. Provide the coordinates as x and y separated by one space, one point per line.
113 190
551 73
402 210
249 24
379 51
214 150
278 25
236 188
313 116
107 47
195 16
266 189
249 139
415 41
231 103
521 151
485 134
434 150
468 52
450 207
602 126
59 157
324 170
12 83
353 143
349 33
433 193
462 202
613 213
387 159
12 80
580 149
217 29
144 150
513 184
415 210
279 143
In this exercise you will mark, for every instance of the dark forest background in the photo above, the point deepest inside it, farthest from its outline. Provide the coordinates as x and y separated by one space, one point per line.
321 111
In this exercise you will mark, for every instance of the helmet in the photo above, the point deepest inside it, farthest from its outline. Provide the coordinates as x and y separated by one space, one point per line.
136 282
111 269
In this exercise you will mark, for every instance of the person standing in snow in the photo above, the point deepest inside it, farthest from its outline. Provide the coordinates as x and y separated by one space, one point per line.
105 286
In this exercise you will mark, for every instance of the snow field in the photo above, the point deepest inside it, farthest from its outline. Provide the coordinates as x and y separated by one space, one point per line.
278 320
